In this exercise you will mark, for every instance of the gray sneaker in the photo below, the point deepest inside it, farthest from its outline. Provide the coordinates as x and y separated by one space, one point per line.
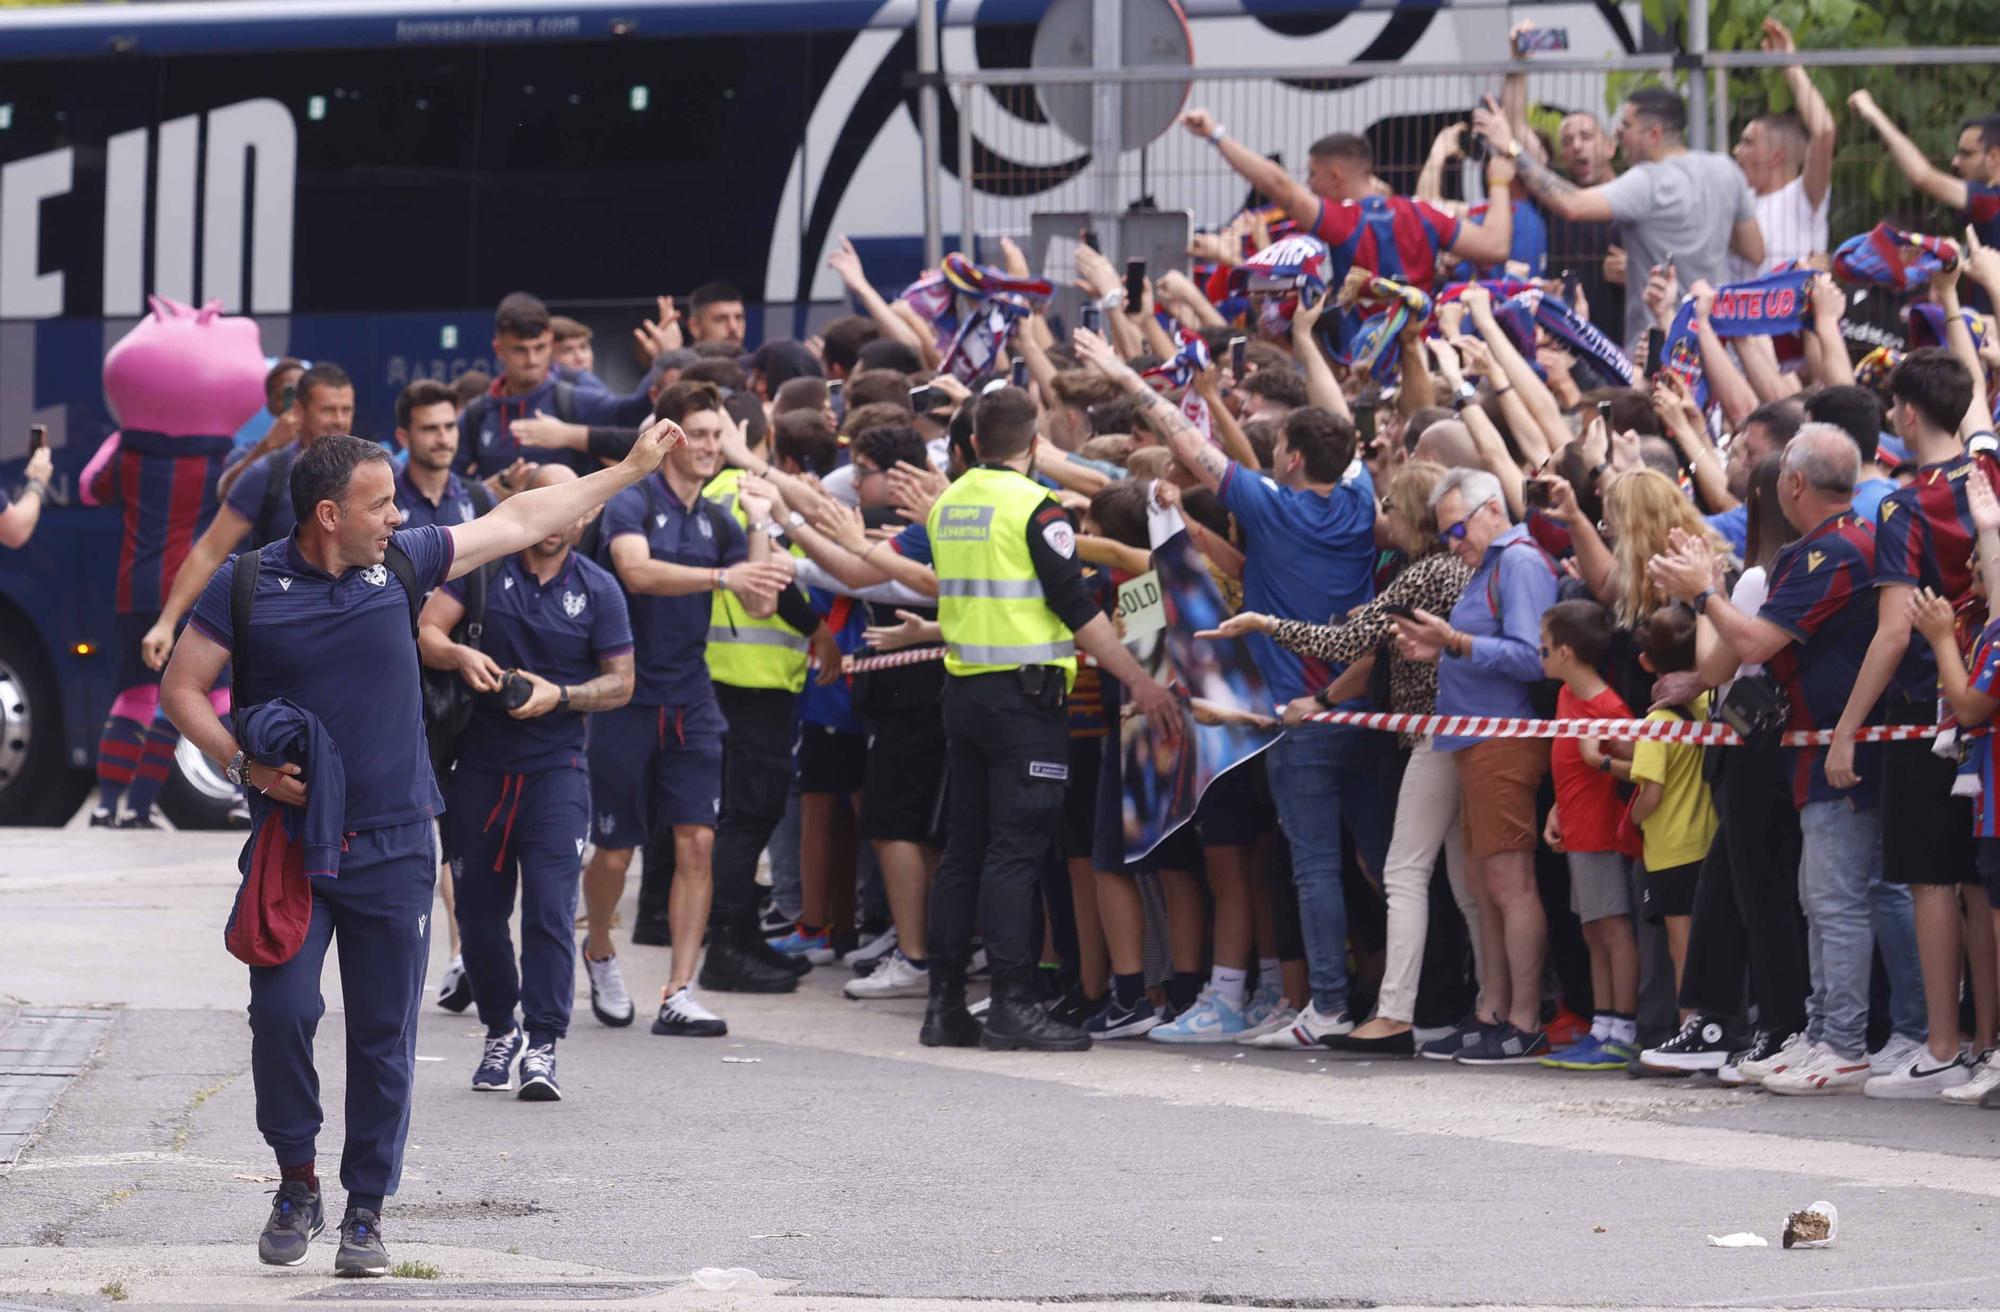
296 1220
361 1251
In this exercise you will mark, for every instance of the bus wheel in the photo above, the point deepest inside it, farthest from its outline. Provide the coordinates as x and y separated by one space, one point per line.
37 786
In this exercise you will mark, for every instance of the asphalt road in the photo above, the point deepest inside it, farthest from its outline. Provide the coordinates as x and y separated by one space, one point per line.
848 1167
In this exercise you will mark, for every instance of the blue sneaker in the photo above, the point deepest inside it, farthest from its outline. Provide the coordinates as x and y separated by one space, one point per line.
1266 1002
496 1068
798 943
1116 1022
1504 1046
1209 1020
538 1075
1466 1033
1591 1053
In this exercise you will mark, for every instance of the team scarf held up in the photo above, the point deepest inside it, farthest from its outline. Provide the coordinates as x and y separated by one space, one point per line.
1001 302
1279 277
1890 257
1522 308
1378 309
1774 305
1187 364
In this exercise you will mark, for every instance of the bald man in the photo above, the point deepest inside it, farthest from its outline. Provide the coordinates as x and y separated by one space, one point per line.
557 644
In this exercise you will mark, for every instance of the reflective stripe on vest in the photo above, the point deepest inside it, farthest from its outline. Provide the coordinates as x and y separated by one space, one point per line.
990 602
745 652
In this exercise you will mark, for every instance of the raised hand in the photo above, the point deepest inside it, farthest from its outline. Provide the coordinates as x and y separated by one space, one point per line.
662 436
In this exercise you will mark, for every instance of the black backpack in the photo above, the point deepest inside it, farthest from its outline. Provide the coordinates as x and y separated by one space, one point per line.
448 698
278 486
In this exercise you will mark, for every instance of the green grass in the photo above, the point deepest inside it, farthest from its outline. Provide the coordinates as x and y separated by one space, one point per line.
415 1271
115 1291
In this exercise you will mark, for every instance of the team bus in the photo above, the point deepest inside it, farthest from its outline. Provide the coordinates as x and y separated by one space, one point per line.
367 177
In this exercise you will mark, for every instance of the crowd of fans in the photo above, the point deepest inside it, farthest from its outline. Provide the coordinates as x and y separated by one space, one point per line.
1454 517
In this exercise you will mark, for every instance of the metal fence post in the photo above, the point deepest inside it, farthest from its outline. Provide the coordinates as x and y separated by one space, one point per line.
1697 52
967 190
927 128
1107 127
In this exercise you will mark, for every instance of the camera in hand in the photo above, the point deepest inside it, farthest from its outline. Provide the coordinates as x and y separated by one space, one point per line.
1535 495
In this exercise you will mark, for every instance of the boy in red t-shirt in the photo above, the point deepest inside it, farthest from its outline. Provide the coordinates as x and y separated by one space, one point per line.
1576 636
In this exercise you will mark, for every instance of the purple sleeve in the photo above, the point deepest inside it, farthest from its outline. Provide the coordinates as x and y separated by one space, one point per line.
246 494
1898 538
625 514
611 622
211 609
431 550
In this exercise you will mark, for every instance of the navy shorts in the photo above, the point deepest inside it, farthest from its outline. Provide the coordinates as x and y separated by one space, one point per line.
903 780
654 765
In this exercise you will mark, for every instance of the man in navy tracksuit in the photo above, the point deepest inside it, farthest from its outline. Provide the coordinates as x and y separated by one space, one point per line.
527 385
518 801
329 629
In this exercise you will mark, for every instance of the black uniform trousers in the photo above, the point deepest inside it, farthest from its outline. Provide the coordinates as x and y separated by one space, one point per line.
756 781
1007 746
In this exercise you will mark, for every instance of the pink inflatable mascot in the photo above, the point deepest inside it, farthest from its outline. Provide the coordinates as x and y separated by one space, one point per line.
180 384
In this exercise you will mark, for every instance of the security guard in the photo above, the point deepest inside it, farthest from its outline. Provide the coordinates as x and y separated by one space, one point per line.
758 667
1014 609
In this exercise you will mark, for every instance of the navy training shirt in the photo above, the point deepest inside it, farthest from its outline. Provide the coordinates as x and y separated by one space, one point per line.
671 633
341 648
486 442
419 511
559 630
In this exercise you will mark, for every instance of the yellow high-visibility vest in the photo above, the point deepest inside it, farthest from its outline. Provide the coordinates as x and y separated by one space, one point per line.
990 601
745 652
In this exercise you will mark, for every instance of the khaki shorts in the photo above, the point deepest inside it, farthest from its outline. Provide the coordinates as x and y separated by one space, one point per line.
1498 780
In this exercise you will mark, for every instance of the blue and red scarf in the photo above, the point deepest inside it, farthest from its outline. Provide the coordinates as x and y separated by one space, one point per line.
1774 305
970 345
1890 257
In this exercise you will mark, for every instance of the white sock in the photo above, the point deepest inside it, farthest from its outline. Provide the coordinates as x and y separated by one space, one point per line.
1600 1027
1624 1029
1228 985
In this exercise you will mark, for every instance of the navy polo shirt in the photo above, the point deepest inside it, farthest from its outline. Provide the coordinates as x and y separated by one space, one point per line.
671 633
341 648
419 511
247 495
560 630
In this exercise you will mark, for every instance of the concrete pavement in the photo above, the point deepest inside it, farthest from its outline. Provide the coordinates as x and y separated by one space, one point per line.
848 1167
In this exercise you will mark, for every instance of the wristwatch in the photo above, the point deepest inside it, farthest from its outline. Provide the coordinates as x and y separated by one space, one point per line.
238 770
1701 600
562 698
1325 702
795 519
1604 764
769 528
1513 150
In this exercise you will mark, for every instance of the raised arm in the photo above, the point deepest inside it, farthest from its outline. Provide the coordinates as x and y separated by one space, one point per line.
1322 388
1725 381
1235 444
1916 166
1821 131
846 262
1266 176
17 522
1944 290
1200 456
1829 303
1521 377
1556 193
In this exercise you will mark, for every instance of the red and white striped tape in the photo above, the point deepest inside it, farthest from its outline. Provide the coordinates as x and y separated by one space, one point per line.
1672 731
912 656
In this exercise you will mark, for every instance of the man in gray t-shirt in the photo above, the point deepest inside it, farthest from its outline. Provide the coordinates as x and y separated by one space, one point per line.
1691 207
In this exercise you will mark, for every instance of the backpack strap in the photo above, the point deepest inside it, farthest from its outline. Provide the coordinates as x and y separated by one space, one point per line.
469 420
242 595
278 485
399 564
564 400
482 498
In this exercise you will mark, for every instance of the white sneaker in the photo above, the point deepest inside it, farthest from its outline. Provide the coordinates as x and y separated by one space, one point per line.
1826 1072
1923 1076
873 950
1276 1023
894 978
1306 1031
1793 1052
1981 1082
1894 1055
683 1017
609 1001
1210 1020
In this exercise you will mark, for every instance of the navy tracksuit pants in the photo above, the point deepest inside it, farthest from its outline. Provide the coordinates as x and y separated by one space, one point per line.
522 831
376 912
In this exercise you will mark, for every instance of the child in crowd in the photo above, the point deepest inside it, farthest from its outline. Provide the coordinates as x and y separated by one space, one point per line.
1672 806
1576 637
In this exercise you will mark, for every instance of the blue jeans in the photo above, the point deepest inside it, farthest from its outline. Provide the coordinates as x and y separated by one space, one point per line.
1840 858
1896 934
1322 775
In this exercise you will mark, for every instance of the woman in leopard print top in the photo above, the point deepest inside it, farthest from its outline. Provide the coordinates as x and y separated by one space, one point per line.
1427 805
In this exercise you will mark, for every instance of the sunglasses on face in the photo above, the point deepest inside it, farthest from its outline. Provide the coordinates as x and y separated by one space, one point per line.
1456 533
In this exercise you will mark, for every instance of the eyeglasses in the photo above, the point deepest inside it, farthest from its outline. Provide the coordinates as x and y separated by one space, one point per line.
1456 533
1545 652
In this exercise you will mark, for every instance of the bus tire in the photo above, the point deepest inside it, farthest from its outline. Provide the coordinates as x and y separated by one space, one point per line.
37 785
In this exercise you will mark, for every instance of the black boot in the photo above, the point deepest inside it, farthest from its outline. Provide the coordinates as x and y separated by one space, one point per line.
749 936
731 966
947 1024
1016 1019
